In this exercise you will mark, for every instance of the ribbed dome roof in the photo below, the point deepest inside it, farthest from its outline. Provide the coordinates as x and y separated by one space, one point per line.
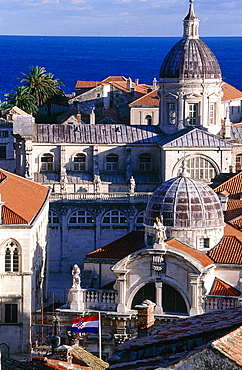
190 58
183 202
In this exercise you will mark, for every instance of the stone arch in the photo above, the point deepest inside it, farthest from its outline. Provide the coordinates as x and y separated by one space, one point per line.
172 300
11 253
199 166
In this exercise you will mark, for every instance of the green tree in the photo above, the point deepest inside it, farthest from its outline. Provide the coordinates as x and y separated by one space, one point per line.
42 85
21 98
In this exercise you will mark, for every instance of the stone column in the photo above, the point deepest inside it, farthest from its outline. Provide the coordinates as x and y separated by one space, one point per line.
128 164
158 287
196 295
121 280
96 174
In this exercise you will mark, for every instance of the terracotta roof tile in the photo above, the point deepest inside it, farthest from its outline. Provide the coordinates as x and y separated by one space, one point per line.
86 84
114 78
237 222
234 209
230 230
121 247
22 198
232 185
230 345
230 92
220 288
201 257
229 251
149 99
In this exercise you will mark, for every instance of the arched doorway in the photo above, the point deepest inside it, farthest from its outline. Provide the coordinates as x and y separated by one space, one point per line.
172 301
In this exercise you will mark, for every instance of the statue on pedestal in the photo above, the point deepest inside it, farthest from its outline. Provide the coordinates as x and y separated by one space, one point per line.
76 280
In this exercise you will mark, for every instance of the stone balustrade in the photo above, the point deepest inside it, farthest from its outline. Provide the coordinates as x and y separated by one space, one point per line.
212 303
103 197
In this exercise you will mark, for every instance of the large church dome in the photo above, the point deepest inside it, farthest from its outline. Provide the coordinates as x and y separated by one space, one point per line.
190 211
190 57
183 202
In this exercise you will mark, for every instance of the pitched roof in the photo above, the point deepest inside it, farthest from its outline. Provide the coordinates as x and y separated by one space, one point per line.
114 78
237 222
194 138
96 134
234 209
150 99
228 251
22 198
236 132
230 92
121 247
233 185
89 359
86 84
201 257
230 345
220 288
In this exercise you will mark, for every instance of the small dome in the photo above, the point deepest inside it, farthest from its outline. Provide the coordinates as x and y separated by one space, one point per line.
190 58
183 202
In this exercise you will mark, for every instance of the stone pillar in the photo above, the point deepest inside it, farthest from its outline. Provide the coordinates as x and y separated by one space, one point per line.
96 173
196 295
76 299
121 280
128 164
63 175
159 307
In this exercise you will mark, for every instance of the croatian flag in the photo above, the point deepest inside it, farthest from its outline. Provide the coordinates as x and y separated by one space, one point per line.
88 324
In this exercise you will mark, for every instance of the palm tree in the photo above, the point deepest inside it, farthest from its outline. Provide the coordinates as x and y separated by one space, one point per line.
42 85
21 98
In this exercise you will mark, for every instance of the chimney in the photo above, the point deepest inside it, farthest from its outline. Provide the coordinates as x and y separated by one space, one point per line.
78 117
129 84
154 84
146 318
92 117
1 204
136 81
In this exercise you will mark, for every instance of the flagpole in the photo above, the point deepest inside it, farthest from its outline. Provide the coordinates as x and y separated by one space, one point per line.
100 335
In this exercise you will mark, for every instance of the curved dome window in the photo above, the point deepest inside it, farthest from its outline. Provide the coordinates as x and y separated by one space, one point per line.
172 301
81 218
114 217
199 168
79 162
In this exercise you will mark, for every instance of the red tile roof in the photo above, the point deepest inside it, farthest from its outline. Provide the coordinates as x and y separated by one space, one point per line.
237 222
149 99
234 209
220 288
230 92
232 185
22 198
230 346
114 78
121 247
230 230
201 257
229 251
86 84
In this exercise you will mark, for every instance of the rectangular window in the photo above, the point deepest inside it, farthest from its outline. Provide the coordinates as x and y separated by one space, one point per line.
2 152
11 313
3 133
172 113
193 114
204 243
211 114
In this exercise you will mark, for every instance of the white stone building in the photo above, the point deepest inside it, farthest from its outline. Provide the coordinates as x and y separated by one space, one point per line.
24 210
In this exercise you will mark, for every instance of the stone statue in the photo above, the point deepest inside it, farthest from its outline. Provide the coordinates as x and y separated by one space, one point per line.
97 183
161 231
76 281
132 184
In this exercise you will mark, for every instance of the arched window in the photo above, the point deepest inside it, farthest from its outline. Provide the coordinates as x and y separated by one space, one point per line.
53 218
114 217
81 218
79 162
238 162
47 162
11 257
199 168
145 162
112 162
148 120
172 301
139 222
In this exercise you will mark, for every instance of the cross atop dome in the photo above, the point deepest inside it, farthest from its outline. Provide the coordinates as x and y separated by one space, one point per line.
191 23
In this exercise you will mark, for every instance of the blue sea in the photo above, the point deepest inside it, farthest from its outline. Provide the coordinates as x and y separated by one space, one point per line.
94 58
